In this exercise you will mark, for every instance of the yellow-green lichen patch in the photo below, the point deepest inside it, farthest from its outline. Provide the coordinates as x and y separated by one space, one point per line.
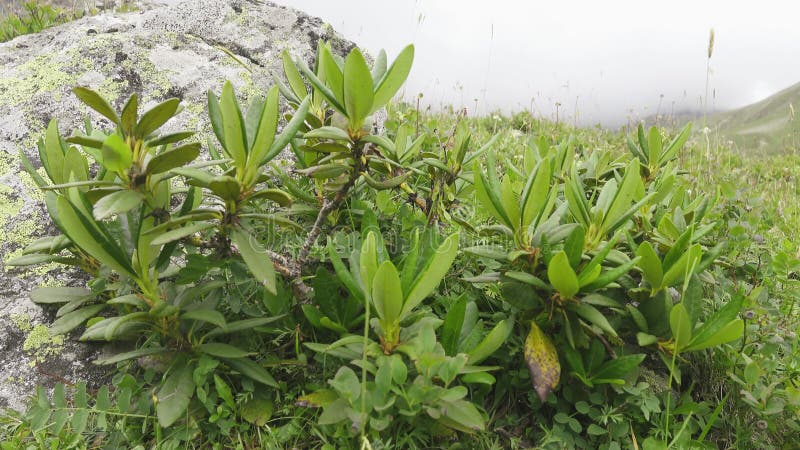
22 321
44 73
40 345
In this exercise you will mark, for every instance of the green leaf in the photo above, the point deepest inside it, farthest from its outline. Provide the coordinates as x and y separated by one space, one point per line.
535 194
130 113
610 276
221 350
368 262
257 411
278 196
379 68
711 329
226 187
676 144
233 126
387 294
90 237
654 146
206 315
267 127
224 391
462 415
52 154
617 368
252 370
333 78
138 353
453 322
344 275
117 156
177 157
174 396
328 132
117 203
256 258
684 266
358 89
46 295
289 131
394 78
592 315
242 325
650 265
93 100
431 275
346 383
70 321
180 233
732 331
157 116
293 77
496 338
317 399
170 138
542 359
562 276
681 326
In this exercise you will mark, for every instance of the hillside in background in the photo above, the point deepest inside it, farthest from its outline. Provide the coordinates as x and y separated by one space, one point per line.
768 126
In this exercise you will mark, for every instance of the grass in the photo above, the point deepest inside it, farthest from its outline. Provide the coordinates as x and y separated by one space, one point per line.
36 15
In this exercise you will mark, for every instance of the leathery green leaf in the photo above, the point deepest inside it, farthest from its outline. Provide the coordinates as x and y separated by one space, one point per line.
542 360
174 396
394 78
267 127
730 332
177 157
252 370
491 342
562 276
358 89
711 329
53 155
96 102
232 126
70 321
368 262
157 116
256 259
429 278
51 294
90 239
592 315
650 265
387 294
117 156
681 325
117 203
293 76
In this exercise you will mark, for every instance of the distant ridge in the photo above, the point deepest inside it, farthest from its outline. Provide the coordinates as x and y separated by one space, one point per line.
771 125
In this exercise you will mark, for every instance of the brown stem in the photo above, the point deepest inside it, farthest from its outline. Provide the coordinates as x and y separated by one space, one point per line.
327 208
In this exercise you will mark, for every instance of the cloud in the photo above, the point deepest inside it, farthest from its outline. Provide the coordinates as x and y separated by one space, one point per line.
603 61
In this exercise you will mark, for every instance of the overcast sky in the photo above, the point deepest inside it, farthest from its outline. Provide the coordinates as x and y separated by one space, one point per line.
604 62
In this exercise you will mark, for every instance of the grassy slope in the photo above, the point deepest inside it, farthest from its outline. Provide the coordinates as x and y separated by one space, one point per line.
768 126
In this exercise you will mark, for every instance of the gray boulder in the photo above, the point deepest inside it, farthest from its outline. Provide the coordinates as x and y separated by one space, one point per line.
168 51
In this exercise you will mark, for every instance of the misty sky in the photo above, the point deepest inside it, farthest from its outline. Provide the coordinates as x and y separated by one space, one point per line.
605 62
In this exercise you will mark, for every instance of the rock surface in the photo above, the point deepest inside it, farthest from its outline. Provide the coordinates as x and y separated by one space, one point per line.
168 51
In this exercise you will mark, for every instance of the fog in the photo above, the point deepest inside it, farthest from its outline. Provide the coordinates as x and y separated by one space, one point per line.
601 62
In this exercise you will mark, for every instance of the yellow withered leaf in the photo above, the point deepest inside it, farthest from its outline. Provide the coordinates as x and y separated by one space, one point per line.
542 360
